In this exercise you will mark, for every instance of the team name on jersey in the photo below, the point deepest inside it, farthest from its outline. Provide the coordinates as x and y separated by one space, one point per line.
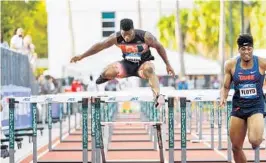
246 77
133 48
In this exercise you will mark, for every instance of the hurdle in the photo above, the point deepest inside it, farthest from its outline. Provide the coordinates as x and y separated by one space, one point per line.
200 100
33 101
99 154
153 117
69 101
229 149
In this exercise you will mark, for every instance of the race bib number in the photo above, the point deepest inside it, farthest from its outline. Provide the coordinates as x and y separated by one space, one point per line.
248 91
133 57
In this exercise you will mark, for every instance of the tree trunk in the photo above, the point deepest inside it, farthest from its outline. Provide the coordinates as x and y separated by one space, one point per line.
70 26
222 40
179 41
139 14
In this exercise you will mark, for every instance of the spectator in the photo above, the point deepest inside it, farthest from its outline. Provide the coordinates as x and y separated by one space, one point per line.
191 83
92 85
3 43
51 84
16 42
28 46
76 86
182 84
29 49
44 85
171 82
215 83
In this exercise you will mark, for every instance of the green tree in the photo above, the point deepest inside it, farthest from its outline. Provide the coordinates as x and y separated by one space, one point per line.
31 16
200 27
257 23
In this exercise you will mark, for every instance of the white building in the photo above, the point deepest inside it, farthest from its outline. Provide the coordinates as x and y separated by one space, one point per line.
88 24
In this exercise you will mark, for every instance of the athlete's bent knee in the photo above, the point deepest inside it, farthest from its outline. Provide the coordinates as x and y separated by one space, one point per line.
255 141
236 149
148 70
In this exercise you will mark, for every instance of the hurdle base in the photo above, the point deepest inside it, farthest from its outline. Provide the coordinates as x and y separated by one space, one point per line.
130 133
244 148
73 141
131 149
177 149
213 161
131 141
68 150
144 161
78 133
132 128
107 161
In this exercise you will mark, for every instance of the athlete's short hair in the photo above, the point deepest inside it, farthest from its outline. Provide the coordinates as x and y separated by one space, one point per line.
126 24
244 40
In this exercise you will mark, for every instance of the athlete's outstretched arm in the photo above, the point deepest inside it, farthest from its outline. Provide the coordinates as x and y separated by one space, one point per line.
227 82
153 42
111 40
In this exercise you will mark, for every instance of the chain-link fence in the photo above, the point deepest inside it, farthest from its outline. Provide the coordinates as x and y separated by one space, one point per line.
16 70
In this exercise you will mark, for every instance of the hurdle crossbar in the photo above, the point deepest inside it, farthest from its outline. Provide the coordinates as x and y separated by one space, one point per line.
129 123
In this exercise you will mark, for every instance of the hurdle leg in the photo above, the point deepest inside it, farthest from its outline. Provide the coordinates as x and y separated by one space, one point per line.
229 144
178 115
155 114
171 123
189 112
151 119
200 120
98 129
160 143
212 124
11 130
102 143
50 125
110 113
106 128
34 134
85 130
146 117
183 130
197 117
163 118
93 144
68 112
220 128
80 115
75 120
103 151
60 123
257 154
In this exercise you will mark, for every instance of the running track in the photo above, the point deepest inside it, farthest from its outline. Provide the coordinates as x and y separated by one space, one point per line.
139 133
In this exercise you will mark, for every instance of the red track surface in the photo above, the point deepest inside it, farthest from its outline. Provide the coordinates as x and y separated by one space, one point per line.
138 132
